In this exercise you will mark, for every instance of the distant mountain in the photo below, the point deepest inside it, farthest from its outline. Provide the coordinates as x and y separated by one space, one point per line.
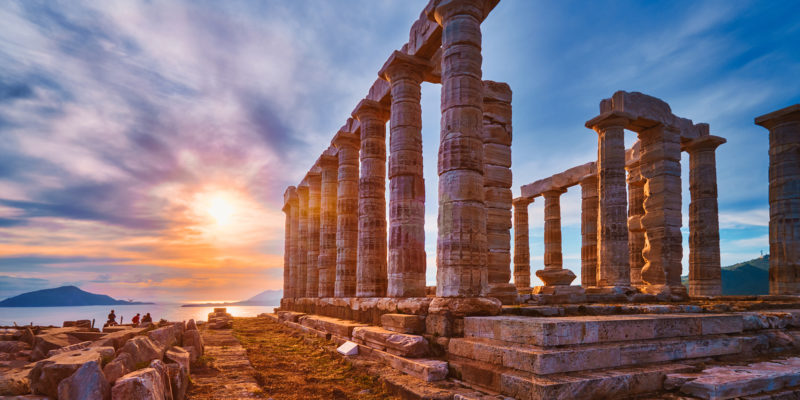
63 296
265 298
745 278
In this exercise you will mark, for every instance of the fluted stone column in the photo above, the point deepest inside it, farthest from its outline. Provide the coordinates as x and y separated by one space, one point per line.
371 277
553 273
312 258
589 206
636 231
328 227
705 272
497 137
347 145
613 269
302 240
522 254
294 202
461 244
407 259
784 199
661 169
289 244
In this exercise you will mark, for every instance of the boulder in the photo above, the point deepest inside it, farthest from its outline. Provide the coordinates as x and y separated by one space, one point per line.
144 384
119 367
15 382
193 355
179 356
87 383
10 346
48 373
191 325
118 338
142 349
192 338
165 337
159 366
50 340
179 380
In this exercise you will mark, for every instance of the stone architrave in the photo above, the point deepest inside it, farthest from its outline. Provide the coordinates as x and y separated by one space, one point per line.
407 259
497 137
784 199
661 168
589 206
328 225
613 269
553 273
302 240
312 258
522 254
290 243
635 212
461 243
347 145
371 279
705 272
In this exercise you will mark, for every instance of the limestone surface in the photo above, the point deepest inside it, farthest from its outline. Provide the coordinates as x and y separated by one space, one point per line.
347 145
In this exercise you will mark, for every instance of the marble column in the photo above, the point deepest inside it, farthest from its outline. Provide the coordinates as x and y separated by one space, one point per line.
553 273
661 168
312 258
347 145
302 239
497 137
613 269
328 164
294 201
589 206
371 277
289 203
635 212
461 243
407 259
522 254
705 273
784 199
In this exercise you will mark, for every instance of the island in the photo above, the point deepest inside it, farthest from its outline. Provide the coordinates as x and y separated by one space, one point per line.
265 298
64 296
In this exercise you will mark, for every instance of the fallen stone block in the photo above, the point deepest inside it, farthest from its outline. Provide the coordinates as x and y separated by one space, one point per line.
142 349
87 383
727 382
289 315
72 347
178 380
392 342
144 384
15 382
52 339
348 349
339 327
161 368
192 338
191 325
427 370
179 356
118 338
48 373
403 323
119 367
164 337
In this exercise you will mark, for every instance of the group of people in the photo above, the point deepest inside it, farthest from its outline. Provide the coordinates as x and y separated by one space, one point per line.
112 319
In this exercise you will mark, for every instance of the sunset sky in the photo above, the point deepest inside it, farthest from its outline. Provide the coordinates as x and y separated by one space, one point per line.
145 146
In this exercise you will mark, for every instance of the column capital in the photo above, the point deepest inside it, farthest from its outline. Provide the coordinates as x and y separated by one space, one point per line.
554 192
522 201
302 189
327 162
444 9
289 197
371 109
589 180
608 120
703 143
401 65
775 118
346 139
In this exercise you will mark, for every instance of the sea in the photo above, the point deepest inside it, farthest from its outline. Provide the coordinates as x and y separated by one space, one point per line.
170 312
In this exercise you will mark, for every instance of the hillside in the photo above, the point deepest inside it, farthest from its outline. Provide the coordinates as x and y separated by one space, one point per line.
62 296
745 278
265 298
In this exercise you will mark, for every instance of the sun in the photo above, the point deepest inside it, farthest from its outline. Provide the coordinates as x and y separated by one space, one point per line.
220 208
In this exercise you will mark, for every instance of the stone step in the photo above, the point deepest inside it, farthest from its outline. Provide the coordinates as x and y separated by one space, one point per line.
599 384
553 360
735 381
339 327
560 331
400 344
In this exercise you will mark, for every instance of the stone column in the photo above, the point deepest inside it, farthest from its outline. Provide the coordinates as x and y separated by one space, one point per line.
663 249
328 227
289 244
635 212
522 254
784 199
347 145
496 135
293 271
302 240
312 267
553 273
407 259
613 269
371 268
589 206
705 273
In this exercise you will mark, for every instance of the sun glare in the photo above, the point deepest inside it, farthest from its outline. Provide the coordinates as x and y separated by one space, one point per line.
221 209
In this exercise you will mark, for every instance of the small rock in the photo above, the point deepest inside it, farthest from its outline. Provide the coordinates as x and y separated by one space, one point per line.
87 383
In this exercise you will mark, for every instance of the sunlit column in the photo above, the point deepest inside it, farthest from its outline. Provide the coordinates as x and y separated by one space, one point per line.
347 145
636 239
327 233
589 206
312 259
289 204
553 273
522 254
294 202
371 268
302 239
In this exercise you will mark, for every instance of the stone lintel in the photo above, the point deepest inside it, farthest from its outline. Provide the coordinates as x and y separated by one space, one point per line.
791 113
344 139
563 180
367 107
399 61
289 196
647 112
703 143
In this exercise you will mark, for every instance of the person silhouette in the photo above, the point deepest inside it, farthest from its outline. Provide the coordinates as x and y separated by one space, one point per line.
112 318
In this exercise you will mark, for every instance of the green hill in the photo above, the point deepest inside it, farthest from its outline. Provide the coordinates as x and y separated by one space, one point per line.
745 278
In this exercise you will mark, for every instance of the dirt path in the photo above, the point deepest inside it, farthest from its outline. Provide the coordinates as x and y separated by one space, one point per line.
227 373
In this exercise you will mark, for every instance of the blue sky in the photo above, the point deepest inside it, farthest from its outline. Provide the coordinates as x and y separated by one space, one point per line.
145 146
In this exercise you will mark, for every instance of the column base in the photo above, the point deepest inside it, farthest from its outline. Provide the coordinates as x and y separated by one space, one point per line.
560 294
705 288
465 306
505 292
666 292
551 277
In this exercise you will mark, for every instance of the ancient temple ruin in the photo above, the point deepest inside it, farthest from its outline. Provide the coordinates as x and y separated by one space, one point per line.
354 267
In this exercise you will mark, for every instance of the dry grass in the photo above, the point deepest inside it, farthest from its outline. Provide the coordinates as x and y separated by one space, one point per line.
291 367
